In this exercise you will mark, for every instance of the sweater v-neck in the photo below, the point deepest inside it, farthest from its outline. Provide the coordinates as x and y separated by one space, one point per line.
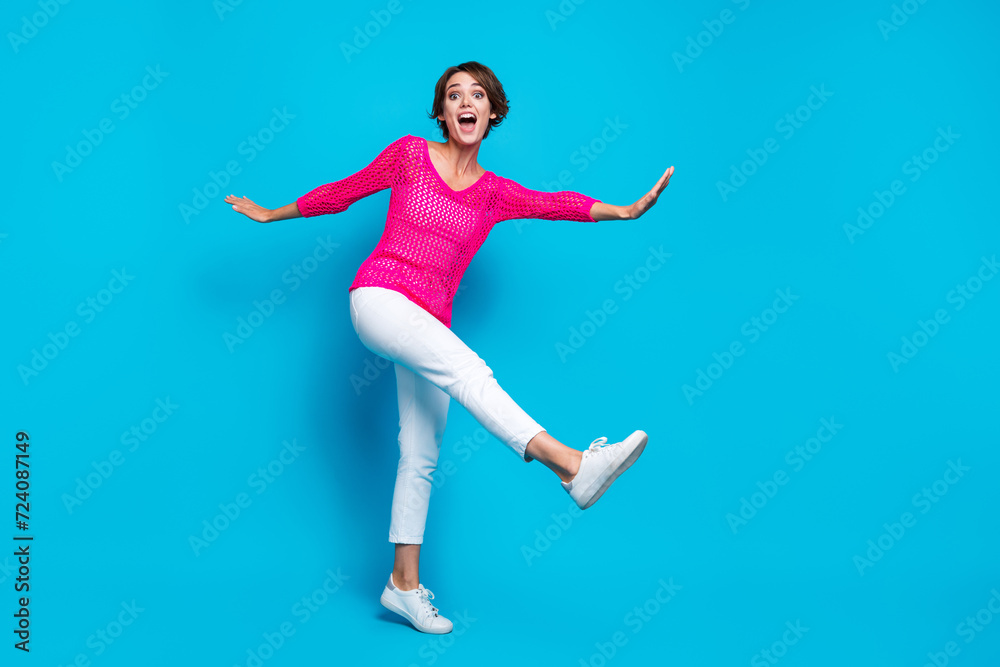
430 166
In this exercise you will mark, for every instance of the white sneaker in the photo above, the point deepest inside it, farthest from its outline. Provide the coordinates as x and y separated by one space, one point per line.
601 465
415 606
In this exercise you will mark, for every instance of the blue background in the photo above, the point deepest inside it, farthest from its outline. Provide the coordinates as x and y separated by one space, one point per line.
566 69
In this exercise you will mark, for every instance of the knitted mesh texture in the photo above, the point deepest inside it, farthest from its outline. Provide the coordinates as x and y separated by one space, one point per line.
432 232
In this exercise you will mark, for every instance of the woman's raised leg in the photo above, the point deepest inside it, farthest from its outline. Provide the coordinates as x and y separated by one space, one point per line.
392 326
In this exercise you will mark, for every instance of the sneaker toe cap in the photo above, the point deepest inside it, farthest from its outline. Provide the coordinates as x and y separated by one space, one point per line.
441 624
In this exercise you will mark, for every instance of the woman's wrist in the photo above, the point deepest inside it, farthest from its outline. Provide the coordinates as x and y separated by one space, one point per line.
284 213
602 211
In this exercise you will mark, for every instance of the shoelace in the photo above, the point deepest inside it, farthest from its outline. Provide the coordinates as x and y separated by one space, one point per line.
598 443
426 596
596 446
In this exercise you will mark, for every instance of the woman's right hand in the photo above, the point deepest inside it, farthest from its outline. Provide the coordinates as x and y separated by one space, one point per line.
248 208
647 201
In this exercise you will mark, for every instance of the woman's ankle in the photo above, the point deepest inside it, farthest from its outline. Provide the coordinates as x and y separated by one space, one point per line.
403 581
572 464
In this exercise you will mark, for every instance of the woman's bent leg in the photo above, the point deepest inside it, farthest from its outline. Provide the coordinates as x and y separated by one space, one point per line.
392 326
423 412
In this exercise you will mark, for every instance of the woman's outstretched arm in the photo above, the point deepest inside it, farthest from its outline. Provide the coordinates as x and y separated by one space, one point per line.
519 202
337 196
602 211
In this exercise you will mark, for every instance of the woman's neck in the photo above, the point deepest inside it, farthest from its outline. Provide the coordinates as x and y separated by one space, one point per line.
462 158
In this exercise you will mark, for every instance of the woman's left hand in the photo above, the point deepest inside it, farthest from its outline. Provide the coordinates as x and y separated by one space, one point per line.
644 204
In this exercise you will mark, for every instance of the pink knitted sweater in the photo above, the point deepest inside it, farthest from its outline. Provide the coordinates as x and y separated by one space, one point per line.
431 231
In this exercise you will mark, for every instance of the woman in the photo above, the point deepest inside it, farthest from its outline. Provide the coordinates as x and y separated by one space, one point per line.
442 207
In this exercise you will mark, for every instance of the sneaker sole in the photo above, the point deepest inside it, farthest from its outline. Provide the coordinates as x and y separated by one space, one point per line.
622 467
391 607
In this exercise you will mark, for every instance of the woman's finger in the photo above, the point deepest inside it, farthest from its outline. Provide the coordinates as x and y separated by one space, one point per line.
661 185
667 174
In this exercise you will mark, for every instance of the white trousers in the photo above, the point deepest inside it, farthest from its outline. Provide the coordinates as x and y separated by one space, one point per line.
433 366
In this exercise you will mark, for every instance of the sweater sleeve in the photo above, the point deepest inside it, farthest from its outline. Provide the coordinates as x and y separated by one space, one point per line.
517 201
337 196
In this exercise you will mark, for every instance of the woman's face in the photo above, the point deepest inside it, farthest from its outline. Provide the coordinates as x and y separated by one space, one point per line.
464 96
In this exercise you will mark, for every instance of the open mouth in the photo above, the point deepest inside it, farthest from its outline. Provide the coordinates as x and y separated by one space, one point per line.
467 121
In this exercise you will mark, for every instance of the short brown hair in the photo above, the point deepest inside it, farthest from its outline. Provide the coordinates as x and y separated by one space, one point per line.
487 79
